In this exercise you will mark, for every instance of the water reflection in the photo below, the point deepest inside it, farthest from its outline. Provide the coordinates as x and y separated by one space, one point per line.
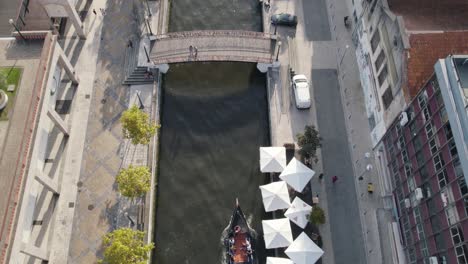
214 118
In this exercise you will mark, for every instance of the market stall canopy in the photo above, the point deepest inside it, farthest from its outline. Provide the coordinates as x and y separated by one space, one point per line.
299 212
272 260
297 175
277 233
272 159
303 250
275 196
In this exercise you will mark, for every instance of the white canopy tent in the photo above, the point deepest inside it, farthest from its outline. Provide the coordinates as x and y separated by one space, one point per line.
299 212
303 250
272 260
272 159
275 196
297 175
277 233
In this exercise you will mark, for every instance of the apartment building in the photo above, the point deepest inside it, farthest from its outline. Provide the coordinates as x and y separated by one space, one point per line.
426 158
398 43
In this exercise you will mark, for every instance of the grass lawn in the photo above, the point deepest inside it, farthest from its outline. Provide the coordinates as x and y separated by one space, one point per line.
9 76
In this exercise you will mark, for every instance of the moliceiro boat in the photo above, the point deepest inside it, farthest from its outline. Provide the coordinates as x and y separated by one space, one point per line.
239 239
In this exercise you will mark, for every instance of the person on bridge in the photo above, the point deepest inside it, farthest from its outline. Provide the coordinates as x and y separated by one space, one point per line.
191 50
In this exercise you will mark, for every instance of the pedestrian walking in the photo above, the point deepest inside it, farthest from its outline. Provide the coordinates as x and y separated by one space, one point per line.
321 176
103 11
94 11
334 179
196 52
130 43
191 50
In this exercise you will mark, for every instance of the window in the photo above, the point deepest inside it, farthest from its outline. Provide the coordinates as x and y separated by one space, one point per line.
379 60
383 75
462 253
411 183
451 214
427 113
401 142
404 156
424 250
443 115
432 207
429 130
439 99
465 200
412 255
375 40
457 235
417 143
420 158
435 85
457 166
453 148
439 162
412 127
448 132
463 187
408 170
422 99
424 174
433 145
440 242
442 178
435 224
387 97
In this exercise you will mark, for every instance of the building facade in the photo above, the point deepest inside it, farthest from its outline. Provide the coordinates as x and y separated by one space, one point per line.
427 162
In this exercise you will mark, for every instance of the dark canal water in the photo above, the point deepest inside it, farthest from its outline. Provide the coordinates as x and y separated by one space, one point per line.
214 118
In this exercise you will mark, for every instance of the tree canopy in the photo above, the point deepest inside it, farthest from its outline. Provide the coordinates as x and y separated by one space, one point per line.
137 127
125 246
134 181
308 142
317 216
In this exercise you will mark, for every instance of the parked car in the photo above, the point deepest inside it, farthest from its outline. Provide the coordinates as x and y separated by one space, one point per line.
284 19
301 91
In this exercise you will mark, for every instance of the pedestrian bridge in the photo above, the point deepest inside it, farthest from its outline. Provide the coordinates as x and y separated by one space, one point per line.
213 45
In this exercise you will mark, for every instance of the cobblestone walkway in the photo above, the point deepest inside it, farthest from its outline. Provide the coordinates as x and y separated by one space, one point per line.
97 204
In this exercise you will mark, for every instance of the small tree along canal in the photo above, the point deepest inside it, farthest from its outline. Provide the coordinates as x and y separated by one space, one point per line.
214 119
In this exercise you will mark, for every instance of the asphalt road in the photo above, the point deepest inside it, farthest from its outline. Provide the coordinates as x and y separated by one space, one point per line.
343 212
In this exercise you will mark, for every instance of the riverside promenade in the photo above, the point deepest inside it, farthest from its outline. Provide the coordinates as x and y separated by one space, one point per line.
321 48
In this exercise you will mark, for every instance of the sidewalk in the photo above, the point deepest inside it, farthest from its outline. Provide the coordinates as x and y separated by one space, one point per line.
374 219
99 206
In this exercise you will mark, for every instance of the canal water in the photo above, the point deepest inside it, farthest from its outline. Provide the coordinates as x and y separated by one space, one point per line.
214 119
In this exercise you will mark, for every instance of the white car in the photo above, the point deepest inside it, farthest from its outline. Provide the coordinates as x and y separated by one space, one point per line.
301 91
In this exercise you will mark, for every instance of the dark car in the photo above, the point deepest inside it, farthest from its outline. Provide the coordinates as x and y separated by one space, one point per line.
284 19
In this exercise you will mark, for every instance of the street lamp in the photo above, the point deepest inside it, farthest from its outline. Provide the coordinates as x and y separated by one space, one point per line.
146 53
344 53
279 47
12 22
147 6
148 25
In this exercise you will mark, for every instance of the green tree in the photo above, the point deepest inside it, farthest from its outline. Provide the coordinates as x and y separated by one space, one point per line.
134 181
125 246
317 216
137 127
308 142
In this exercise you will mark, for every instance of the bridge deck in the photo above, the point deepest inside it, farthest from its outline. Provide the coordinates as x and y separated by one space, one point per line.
218 45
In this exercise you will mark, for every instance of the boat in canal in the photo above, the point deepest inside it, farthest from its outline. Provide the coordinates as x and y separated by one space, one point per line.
239 239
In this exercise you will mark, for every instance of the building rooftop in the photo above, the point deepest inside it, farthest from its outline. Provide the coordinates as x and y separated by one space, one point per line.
430 15
461 66
425 50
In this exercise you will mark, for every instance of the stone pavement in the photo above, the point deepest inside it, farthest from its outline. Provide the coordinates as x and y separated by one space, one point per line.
321 36
99 207
374 217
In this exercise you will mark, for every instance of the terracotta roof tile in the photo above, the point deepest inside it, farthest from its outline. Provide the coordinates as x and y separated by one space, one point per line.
425 50
447 15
